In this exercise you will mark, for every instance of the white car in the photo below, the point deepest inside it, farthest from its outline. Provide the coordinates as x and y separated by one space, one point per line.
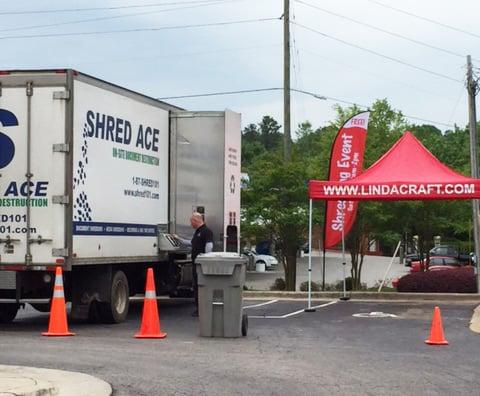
269 261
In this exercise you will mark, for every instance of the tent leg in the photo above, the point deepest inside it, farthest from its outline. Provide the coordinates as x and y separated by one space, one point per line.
344 262
309 308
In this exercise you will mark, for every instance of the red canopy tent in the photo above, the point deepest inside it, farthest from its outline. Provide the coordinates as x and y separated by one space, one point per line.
408 171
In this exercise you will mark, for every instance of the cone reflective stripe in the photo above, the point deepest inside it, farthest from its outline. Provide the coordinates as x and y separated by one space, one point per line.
150 327
150 294
437 337
57 325
58 286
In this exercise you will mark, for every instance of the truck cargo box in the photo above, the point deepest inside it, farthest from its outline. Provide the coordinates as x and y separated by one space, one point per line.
80 158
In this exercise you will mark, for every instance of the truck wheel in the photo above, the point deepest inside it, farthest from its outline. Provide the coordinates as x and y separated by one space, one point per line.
8 312
116 310
41 307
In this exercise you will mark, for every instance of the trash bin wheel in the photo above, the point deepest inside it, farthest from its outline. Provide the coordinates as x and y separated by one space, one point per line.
244 324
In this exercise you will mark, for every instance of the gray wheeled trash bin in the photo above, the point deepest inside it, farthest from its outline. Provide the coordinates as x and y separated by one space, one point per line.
221 277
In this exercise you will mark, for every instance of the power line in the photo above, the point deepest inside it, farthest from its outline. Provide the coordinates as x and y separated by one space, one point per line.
315 95
27 36
296 64
425 19
66 10
351 65
453 53
220 93
379 54
460 95
205 4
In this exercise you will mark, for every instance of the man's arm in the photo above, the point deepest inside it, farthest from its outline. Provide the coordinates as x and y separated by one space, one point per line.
208 241
183 241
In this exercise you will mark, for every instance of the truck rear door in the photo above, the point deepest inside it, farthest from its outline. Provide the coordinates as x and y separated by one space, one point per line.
32 173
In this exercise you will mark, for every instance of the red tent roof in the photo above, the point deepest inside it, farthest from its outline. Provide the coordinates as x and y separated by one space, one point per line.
408 171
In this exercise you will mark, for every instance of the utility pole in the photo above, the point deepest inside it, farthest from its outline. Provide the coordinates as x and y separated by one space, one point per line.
286 81
472 88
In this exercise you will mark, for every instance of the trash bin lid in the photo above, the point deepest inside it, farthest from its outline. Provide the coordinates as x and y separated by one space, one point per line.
219 263
222 255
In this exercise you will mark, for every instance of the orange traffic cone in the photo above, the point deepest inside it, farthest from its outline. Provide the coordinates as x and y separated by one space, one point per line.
57 325
150 327
436 332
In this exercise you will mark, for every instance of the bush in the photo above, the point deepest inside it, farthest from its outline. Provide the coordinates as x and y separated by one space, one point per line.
461 280
279 284
315 286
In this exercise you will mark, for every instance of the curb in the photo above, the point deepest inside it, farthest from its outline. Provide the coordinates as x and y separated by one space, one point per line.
32 381
475 321
448 297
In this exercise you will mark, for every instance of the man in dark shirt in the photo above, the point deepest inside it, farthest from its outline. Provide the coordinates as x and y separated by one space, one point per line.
202 242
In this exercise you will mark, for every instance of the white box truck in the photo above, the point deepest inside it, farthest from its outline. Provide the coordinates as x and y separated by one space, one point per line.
96 178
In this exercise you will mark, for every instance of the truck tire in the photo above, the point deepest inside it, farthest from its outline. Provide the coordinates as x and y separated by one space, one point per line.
8 312
41 307
116 310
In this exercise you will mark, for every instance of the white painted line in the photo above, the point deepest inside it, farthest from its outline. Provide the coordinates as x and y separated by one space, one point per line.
293 313
260 305
315 307
374 315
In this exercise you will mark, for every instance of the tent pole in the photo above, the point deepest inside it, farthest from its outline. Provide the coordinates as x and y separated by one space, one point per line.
344 262
323 269
309 308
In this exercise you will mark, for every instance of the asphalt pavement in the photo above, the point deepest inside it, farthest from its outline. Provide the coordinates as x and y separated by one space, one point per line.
287 351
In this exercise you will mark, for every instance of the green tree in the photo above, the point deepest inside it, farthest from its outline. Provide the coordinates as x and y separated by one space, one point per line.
276 199
270 136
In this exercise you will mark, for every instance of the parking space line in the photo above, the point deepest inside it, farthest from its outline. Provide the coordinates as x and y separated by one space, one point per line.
294 313
261 304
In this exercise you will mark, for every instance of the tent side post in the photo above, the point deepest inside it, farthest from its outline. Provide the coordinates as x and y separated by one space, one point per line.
309 308
344 262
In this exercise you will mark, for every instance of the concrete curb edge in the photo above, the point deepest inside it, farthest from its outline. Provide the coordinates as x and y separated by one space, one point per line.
391 296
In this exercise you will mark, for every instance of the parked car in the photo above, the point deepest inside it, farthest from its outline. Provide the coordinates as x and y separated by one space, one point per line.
269 261
411 257
437 263
305 248
444 250
450 251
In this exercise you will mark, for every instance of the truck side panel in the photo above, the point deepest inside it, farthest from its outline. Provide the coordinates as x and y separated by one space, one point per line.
46 219
206 155
233 157
120 174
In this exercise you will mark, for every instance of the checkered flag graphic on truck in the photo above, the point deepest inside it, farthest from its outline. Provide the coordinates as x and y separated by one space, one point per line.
81 207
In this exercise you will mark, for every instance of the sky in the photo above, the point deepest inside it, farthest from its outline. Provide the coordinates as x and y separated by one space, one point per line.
340 50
